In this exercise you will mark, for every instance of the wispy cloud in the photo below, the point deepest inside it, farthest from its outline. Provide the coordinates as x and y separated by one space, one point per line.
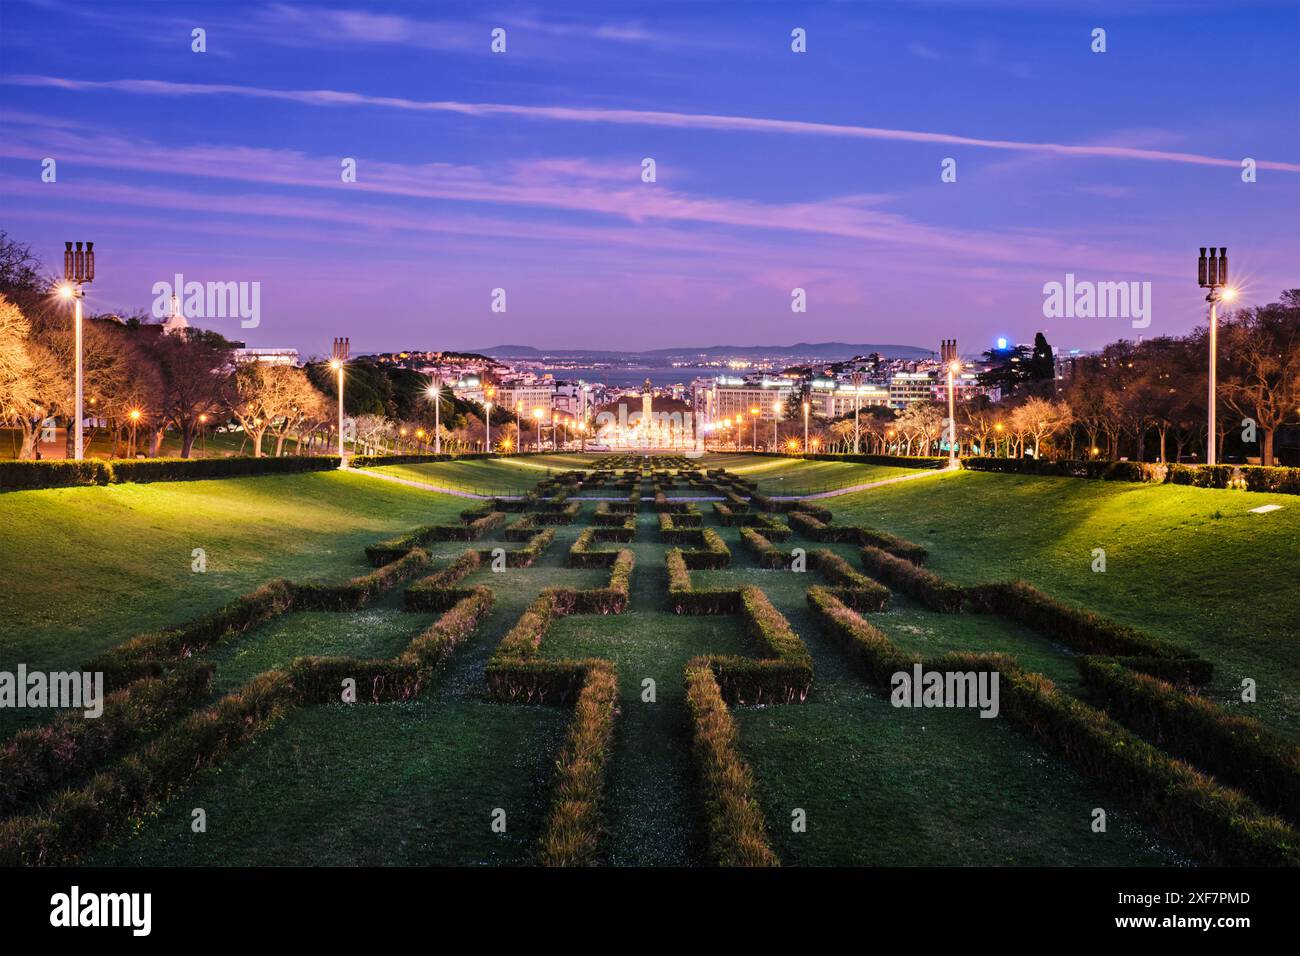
636 117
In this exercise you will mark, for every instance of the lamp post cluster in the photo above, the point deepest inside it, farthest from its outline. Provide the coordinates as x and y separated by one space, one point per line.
1212 274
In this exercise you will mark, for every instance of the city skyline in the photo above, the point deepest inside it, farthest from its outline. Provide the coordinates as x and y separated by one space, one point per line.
775 170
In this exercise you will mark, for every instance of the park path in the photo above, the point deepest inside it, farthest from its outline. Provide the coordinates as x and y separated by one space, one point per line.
834 492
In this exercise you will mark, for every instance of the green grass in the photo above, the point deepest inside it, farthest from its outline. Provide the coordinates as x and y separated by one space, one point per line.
1188 564
87 568
416 783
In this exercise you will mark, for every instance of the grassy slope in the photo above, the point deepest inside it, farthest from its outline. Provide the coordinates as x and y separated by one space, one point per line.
1189 564
86 568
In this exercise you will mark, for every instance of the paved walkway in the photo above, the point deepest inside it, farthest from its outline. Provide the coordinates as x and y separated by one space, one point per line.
850 489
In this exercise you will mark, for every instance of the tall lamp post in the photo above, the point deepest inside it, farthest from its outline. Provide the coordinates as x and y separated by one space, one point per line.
487 418
78 270
857 404
336 363
1212 274
753 428
776 417
537 417
953 368
806 407
435 392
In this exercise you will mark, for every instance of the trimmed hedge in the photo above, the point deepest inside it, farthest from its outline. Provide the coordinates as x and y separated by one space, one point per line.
38 759
855 589
763 551
150 654
530 552
17 475
874 654
1075 627
713 555
390 549
359 591
928 588
684 599
733 817
1238 750
1260 478
818 530
573 826
75 821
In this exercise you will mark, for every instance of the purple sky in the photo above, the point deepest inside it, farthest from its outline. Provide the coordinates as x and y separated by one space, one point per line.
775 170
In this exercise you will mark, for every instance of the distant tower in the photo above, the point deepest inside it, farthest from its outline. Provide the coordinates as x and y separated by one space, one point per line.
948 351
176 321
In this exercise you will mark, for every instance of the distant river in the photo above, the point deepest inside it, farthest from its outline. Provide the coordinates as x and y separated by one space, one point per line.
626 377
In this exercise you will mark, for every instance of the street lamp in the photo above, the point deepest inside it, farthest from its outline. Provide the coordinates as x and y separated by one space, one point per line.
78 270
857 402
806 407
953 368
434 391
487 417
537 417
135 419
340 357
753 428
776 417
1212 274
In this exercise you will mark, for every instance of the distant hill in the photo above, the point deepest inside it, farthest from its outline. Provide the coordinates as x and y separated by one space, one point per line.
830 351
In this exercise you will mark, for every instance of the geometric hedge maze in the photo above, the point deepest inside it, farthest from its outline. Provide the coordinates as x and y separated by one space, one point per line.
1222 788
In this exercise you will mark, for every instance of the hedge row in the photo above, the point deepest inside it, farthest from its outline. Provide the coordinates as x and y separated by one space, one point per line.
1075 627
611 599
150 654
737 834
530 552
75 821
573 827
764 552
359 591
782 674
38 759
684 599
1238 750
390 549
20 475
713 555
432 593
854 588
915 581
819 530
1261 478
1217 824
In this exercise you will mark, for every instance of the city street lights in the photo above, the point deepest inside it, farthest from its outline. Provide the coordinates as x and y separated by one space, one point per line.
336 363
753 427
135 420
776 417
487 417
78 270
1212 274
806 407
537 417
953 368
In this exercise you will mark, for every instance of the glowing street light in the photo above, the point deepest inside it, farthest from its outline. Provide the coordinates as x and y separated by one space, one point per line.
1212 274
434 391
340 353
753 427
537 417
776 417
78 271
487 417
806 408
134 415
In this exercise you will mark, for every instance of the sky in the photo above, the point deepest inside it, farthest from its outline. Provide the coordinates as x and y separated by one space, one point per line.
774 170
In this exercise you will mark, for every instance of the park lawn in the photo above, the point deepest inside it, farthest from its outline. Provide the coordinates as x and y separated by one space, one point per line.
87 568
1191 565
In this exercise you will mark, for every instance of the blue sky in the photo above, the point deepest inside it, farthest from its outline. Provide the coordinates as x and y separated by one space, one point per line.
774 169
